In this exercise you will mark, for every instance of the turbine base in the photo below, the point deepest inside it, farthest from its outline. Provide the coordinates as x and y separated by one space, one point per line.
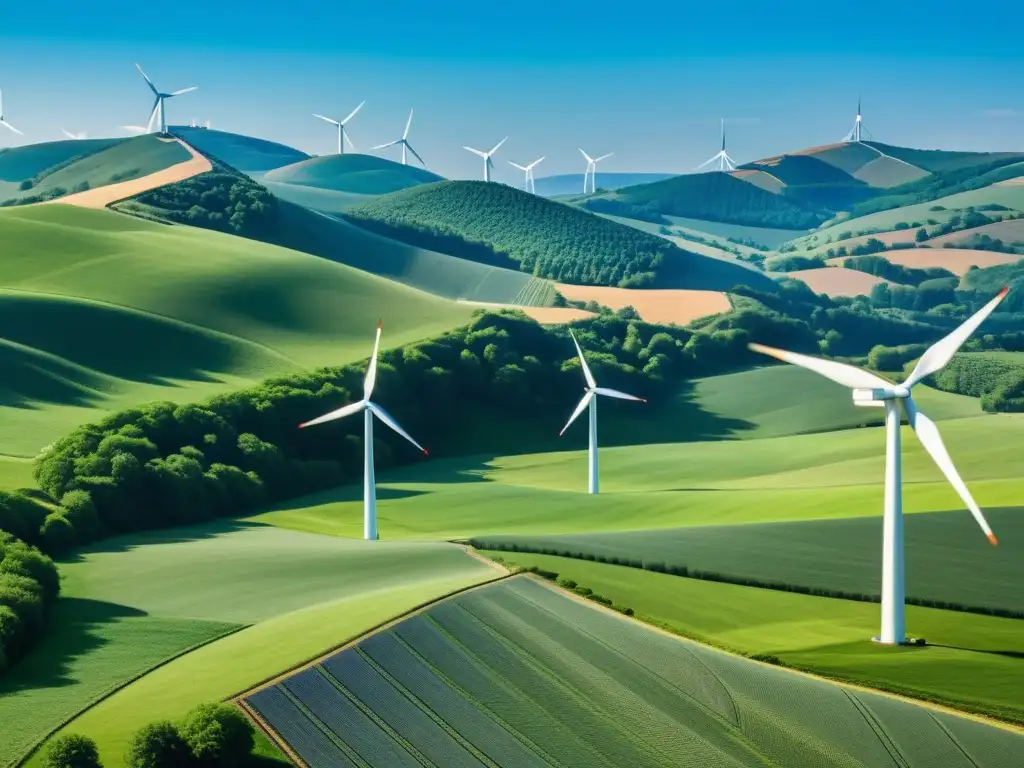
904 641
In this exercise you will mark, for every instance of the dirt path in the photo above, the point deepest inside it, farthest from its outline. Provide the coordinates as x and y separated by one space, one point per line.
101 197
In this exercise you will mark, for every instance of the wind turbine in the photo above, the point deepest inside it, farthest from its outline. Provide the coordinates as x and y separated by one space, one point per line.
404 141
591 171
725 163
590 398
76 136
872 390
488 163
369 410
4 122
342 134
528 184
158 104
858 128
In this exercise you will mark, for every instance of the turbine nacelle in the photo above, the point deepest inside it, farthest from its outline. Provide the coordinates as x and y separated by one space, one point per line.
877 397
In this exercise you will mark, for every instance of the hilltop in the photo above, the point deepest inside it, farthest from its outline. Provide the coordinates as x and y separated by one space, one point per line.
572 183
358 174
501 226
246 153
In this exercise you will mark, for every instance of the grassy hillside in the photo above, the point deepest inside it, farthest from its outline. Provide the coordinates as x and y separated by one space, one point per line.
847 156
525 675
940 160
246 153
20 163
572 183
502 226
135 602
121 161
357 174
227 312
886 172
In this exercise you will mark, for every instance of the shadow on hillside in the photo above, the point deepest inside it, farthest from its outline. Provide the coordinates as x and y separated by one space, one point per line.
181 535
1009 654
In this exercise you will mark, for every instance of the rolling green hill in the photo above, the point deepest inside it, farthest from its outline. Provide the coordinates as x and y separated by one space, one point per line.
502 226
354 173
572 183
18 164
246 153
136 602
227 312
940 160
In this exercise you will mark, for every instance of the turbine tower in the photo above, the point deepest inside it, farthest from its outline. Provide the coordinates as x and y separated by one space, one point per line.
342 133
488 163
591 171
590 398
858 129
158 105
725 163
872 390
369 410
528 184
76 136
3 121
404 141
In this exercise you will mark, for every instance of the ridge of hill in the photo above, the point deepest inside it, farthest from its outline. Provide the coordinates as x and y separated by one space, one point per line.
246 153
354 173
18 164
572 183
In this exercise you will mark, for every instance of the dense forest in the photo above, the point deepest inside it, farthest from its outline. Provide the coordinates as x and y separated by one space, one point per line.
496 224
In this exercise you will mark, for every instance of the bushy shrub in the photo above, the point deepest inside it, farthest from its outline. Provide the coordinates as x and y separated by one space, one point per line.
57 533
72 751
159 745
29 584
218 735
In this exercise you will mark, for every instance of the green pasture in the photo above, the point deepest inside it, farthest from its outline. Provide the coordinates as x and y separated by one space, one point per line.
15 472
353 173
20 163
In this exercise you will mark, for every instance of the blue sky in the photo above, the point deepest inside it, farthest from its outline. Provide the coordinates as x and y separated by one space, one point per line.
649 85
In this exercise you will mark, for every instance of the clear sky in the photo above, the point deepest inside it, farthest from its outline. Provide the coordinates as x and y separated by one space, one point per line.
646 80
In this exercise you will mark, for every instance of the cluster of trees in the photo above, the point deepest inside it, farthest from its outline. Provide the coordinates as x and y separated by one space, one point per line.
897 273
496 224
615 207
997 380
220 199
795 263
29 585
210 736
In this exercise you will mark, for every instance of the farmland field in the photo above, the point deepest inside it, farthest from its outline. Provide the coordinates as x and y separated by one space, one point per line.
956 260
133 602
1010 232
762 179
948 557
518 674
837 281
663 306
885 172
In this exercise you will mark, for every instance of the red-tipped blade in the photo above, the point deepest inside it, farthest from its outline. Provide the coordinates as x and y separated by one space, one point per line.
426 452
380 323
992 538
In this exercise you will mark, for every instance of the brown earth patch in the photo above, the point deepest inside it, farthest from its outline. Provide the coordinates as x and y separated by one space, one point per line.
837 281
956 260
662 306
1009 232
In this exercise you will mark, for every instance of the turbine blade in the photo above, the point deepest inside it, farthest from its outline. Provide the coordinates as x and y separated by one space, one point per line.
345 137
517 165
7 125
388 419
928 434
332 122
615 393
341 413
415 153
497 145
68 134
150 82
389 144
184 90
152 115
476 151
586 369
602 157
588 157
579 409
941 352
353 113
536 162
405 134
841 373
371 371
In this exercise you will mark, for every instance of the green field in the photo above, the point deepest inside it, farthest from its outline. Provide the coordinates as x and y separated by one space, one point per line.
553 681
971 662
885 172
948 557
131 603
767 236
323 200
20 163
15 472
226 311
245 153
938 160
353 173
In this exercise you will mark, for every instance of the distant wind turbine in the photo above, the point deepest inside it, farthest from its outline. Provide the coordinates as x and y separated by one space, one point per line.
872 390
404 141
3 121
342 133
590 398
858 129
725 163
76 136
528 184
369 409
159 112
488 163
591 171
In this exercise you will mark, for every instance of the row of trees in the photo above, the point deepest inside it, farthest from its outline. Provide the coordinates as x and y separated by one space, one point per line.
29 585
499 225
897 273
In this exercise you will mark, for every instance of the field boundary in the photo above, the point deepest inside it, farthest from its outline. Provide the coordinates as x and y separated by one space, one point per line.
19 761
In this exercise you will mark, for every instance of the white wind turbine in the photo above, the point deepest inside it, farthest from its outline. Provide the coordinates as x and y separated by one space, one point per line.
725 163
528 184
342 133
76 136
369 410
590 398
3 121
488 163
158 105
872 390
591 171
404 141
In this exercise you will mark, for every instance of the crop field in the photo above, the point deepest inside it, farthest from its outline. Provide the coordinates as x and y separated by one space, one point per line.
663 306
956 260
226 311
134 602
971 662
837 281
820 242
885 172
762 179
538 292
948 558
518 674
1009 232
353 173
